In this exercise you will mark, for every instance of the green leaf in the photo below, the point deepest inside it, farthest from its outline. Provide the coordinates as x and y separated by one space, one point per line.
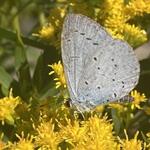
116 120
41 79
20 57
23 87
5 80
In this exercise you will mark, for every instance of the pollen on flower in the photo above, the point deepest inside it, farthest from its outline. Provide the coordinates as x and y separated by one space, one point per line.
24 143
132 144
99 135
59 72
46 137
137 99
95 133
137 7
73 132
7 108
46 32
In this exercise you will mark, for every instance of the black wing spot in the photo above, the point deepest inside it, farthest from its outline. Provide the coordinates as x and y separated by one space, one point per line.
95 58
107 100
82 33
88 38
86 82
76 31
116 65
98 68
98 87
123 86
115 94
122 82
113 79
112 59
68 40
95 43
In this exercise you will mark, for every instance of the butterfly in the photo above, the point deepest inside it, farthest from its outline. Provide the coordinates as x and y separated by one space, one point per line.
98 68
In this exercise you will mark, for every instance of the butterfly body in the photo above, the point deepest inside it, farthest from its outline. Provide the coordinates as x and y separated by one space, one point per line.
98 68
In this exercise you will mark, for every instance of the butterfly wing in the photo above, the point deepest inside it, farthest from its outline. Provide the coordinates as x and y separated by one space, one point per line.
75 29
97 67
110 76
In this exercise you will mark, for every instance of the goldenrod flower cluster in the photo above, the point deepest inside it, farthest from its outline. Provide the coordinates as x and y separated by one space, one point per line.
117 16
58 70
7 109
70 131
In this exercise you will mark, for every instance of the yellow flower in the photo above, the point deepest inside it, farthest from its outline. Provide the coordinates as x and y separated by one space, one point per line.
47 138
7 108
99 108
118 106
137 99
58 70
73 132
137 7
93 134
115 16
46 32
100 134
132 144
23 143
134 35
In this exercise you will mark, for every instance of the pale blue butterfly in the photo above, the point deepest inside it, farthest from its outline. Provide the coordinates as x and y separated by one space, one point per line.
98 68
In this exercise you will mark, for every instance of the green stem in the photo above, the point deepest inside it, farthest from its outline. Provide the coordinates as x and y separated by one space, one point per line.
7 34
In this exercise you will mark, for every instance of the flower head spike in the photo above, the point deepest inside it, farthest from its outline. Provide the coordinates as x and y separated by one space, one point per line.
24 143
74 132
137 7
137 99
47 138
58 70
46 32
100 134
132 144
115 15
7 108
